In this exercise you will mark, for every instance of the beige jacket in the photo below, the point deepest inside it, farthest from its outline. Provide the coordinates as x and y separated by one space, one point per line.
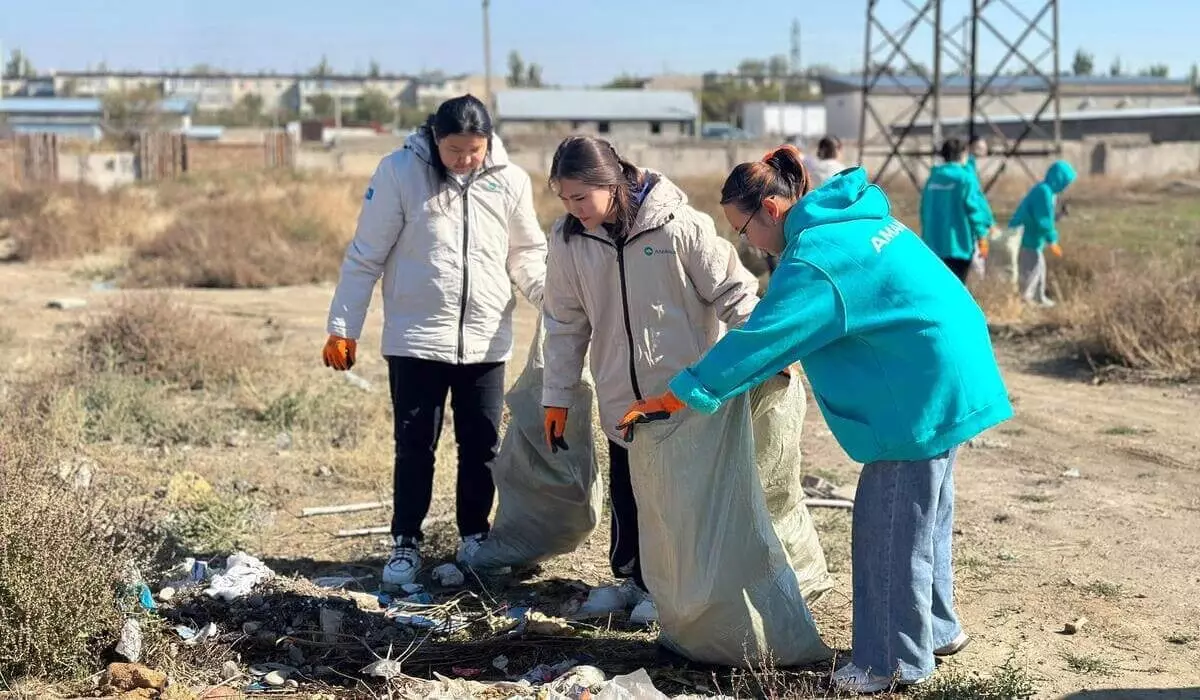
648 306
449 255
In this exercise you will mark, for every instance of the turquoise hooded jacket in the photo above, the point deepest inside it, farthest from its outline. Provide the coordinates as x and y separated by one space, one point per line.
954 212
896 350
1036 212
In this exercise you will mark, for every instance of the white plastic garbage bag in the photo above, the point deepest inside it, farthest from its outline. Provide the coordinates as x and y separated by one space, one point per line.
724 586
777 410
1004 247
548 503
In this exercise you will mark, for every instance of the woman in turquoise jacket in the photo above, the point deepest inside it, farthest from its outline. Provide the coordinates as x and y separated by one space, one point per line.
901 365
1037 215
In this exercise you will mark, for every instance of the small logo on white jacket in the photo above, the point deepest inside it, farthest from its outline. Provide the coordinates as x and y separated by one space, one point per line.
651 250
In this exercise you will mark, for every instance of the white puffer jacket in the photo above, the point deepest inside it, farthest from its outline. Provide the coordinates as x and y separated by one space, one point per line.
447 253
649 305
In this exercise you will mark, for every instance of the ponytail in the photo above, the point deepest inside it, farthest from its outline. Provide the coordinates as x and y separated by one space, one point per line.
595 162
780 173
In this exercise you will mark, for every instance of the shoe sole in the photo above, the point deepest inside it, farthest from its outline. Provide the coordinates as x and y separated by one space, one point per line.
951 650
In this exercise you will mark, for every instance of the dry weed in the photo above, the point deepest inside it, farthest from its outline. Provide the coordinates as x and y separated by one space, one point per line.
157 339
66 221
62 563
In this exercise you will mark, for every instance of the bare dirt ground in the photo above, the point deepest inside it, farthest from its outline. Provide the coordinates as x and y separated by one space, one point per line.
1087 504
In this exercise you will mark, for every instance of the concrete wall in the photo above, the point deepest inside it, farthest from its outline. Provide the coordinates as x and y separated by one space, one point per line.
101 170
843 112
614 130
1164 128
8 163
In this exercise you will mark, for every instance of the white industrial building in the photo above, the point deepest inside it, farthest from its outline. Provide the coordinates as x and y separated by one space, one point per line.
804 121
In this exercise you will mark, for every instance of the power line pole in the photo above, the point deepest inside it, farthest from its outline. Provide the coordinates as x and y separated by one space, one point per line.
487 56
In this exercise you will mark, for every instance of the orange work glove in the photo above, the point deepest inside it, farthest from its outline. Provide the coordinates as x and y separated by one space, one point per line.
983 247
556 423
647 411
339 352
1056 249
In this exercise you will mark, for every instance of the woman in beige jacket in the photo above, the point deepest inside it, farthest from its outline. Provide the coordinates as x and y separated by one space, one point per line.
642 279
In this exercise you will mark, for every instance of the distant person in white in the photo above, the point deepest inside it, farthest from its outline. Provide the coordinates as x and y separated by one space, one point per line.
827 163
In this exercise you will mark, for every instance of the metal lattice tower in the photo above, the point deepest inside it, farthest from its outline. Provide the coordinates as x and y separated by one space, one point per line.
956 86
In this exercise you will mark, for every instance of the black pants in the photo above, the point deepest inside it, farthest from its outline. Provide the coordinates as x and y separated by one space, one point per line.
623 537
419 389
959 267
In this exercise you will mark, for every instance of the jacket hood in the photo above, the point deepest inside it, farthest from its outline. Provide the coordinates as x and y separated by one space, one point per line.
418 143
950 170
663 199
847 196
1059 175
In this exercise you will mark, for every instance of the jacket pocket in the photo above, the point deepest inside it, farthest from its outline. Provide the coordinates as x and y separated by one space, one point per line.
856 437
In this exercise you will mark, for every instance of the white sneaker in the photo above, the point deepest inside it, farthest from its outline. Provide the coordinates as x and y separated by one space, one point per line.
954 646
611 599
402 568
852 679
644 612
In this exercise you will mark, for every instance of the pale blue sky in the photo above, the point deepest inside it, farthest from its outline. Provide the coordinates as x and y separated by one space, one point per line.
578 42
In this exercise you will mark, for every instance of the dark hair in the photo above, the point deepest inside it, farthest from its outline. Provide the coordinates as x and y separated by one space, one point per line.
458 115
953 149
780 173
595 162
828 147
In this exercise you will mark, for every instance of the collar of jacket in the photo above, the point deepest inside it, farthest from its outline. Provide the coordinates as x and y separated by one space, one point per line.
663 200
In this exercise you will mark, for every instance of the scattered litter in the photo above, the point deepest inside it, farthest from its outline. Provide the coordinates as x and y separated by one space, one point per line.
1072 473
77 472
130 644
383 668
607 599
1074 626
251 626
362 531
166 593
331 624
544 673
66 303
333 582
464 672
422 598
644 612
448 575
818 487
136 589
242 573
538 623
275 679
193 637
577 682
348 508
104 285
283 441
229 670
633 686
356 381
828 503
500 663
437 625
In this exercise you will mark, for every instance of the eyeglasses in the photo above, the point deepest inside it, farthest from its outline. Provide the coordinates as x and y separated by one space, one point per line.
742 231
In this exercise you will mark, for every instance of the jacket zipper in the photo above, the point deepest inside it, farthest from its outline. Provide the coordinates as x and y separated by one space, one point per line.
462 304
637 392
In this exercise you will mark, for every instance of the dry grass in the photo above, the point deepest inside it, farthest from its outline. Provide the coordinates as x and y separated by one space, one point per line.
64 553
67 221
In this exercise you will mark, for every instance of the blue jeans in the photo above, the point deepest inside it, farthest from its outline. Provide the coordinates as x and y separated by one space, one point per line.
903 580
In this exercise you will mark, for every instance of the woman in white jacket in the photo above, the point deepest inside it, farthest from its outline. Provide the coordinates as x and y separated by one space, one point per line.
642 278
447 222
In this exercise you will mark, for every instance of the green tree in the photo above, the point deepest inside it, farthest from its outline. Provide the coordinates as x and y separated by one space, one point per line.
1084 63
1115 69
132 111
624 81
322 69
1194 76
777 66
322 106
516 70
534 76
250 108
373 71
1158 70
373 106
19 66
202 69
